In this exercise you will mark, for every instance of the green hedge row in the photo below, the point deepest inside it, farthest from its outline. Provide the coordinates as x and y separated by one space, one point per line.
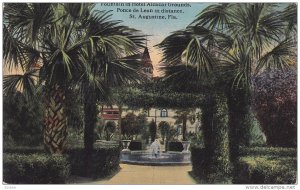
135 145
35 169
266 170
175 146
104 161
24 150
268 151
198 154
24 165
257 165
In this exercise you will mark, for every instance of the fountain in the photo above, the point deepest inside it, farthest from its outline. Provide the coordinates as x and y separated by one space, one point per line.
153 157
126 144
186 145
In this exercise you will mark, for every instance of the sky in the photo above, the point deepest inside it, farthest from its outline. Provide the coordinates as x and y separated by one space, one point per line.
158 29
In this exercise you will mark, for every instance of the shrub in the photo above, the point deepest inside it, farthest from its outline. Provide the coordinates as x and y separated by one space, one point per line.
132 125
75 138
152 130
266 170
196 139
24 150
135 145
215 127
175 146
275 102
268 151
22 120
266 165
34 169
205 169
105 160
197 158
164 128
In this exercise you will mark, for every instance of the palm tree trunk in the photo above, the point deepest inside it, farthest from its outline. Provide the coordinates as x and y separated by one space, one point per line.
55 122
184 120
90 118
120 107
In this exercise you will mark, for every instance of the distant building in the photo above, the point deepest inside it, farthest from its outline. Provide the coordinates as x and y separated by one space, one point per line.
110 114
158 115
145 61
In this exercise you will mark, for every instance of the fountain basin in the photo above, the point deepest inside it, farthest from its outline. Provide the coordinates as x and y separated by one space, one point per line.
147 158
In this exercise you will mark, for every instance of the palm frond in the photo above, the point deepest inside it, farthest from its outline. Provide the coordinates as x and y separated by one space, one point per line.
214 17
236 66
196 54
13 55
25 83
289 15
280 57
173 46
28 19
257 24
212 39
122 71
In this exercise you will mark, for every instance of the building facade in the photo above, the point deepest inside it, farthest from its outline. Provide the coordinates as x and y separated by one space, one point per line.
153 114
156 114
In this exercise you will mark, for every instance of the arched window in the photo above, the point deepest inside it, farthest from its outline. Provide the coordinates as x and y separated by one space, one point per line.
163 113
179 129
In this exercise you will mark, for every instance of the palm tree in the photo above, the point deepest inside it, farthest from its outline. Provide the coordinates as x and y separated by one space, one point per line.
262 40
183 116
33 30
108 66
226 45
164 128
63 40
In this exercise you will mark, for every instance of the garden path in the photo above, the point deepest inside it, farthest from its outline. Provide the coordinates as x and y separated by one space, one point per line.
148 175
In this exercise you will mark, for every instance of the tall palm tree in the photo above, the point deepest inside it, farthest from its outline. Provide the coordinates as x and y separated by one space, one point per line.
108 65
228 44
32 30
63 40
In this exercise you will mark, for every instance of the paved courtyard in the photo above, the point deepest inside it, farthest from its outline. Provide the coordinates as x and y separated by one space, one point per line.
148 175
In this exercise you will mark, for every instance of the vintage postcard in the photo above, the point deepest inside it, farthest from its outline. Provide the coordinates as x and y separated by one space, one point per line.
150 93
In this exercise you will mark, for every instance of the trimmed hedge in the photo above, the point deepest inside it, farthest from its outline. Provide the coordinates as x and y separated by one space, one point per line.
266 170
175 146
268 151
198 154
24 150
266 165
135 145
104 161
35 169
257 165
204 169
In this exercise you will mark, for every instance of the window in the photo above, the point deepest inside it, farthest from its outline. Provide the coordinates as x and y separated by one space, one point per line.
146 112
179 129
147 70
163 113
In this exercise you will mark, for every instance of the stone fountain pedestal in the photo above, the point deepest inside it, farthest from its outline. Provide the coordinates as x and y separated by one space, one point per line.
186 153
126 144
186 145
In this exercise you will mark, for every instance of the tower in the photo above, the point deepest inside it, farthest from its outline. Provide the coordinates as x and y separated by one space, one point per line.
146 62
